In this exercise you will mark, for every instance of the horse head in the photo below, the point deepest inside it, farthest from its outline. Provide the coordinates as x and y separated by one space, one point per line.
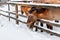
31 20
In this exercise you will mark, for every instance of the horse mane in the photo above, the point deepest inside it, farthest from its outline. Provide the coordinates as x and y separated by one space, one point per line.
32 10
38 10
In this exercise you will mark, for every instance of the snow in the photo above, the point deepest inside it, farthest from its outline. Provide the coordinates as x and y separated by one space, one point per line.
9 30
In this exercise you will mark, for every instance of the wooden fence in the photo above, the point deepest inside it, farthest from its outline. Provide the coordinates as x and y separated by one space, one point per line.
41 28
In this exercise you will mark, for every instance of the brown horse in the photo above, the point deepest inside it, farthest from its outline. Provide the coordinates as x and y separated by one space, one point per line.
35 14
26 9
43 13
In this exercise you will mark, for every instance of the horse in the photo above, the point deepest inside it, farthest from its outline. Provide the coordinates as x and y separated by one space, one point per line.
43 13
35 14
26 9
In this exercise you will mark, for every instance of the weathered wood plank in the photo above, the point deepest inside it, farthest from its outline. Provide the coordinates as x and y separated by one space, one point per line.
16 8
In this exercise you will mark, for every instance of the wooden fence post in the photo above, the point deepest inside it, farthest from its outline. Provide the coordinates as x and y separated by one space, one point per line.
16 9
9 10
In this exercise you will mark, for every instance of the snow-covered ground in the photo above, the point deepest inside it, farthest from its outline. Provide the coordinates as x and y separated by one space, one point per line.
12 31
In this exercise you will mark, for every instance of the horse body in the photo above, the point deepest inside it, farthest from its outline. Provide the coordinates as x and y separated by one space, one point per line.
54 14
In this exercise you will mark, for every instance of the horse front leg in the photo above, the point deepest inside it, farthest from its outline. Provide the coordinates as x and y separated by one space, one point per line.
41 24
37 23
49 26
